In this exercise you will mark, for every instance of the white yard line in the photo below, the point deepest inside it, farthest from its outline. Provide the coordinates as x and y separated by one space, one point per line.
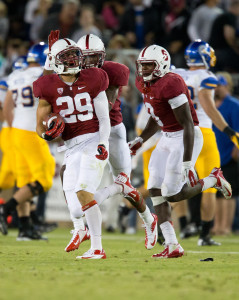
212 252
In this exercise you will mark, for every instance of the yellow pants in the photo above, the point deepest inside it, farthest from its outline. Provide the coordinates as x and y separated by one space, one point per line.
146 157
209 157
34 161
7 168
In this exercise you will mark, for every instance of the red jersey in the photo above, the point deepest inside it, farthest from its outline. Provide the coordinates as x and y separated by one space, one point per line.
118 76
73 102
157 95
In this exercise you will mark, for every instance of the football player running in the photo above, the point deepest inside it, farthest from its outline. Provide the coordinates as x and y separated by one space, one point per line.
201 84
83 104
35 166
172 175
119 155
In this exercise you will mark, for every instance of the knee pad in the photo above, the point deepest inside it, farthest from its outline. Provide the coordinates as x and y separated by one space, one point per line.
158 200
36 189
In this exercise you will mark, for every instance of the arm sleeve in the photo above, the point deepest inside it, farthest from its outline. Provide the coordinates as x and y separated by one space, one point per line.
178 101
102 113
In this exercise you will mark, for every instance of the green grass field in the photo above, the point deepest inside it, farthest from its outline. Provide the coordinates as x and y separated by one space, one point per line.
42 270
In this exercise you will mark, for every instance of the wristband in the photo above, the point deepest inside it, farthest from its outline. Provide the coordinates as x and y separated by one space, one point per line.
187 164
229 131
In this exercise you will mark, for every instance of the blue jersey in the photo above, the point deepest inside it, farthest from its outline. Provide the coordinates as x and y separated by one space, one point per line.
230 111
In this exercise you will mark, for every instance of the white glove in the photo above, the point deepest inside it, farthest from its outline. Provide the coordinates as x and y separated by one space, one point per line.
189 174
135 145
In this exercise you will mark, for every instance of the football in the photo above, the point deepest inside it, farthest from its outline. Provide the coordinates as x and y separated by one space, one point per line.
51 119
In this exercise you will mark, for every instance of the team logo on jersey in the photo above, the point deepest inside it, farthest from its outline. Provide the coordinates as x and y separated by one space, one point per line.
60 91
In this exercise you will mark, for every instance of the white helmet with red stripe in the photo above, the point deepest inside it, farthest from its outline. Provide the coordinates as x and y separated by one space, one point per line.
65 57
157 55
91 44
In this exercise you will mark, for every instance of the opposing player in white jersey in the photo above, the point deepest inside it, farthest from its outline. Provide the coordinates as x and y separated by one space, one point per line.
201 84
35 166
7 168
119 156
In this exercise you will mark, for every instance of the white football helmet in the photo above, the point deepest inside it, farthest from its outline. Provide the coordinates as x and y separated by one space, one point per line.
159 56
65 57
91 44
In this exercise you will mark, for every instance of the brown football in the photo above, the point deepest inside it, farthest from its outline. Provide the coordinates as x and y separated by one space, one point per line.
52 117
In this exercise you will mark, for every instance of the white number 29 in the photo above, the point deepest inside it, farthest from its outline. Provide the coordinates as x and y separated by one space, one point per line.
81 103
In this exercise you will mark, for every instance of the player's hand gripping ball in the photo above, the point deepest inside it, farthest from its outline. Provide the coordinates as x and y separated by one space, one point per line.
55 125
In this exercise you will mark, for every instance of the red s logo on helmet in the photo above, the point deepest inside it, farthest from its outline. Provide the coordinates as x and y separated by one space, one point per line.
165 54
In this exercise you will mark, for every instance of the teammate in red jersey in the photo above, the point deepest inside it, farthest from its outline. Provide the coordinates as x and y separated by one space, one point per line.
83 104
119 155
172 175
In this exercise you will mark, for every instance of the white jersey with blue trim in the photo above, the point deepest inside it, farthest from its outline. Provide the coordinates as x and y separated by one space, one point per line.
20 84
3 92
197 80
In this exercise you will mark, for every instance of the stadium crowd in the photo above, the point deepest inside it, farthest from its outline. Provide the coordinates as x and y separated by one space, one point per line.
125 28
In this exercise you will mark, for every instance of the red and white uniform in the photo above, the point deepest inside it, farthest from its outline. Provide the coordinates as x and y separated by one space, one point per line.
77 104
119 154
160 98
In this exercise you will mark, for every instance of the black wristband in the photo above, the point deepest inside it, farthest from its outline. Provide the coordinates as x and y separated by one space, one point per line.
229 131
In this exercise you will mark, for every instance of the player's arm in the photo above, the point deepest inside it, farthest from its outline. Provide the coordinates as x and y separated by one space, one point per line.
52 38
102 113
43 110
150 129
183 115
112 94
208 104
8 108
1 113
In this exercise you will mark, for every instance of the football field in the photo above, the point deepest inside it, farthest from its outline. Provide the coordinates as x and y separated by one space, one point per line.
42 270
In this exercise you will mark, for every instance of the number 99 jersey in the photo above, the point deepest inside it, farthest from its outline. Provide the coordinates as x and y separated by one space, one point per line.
197 80
74 102
20 84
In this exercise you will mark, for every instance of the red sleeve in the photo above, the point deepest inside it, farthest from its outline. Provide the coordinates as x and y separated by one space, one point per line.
118 73
173 87
97 79
37 91
43 87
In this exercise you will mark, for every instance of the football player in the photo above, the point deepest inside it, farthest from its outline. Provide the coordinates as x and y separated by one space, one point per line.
172 176
201 83
79 97
35 165
119 156
7 169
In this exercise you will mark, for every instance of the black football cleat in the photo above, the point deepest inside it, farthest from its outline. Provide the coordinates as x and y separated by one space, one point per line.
207 241
30 235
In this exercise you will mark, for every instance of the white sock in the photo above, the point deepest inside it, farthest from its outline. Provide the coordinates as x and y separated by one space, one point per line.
78 223
107 192
209 182
169 233
146 216
94 221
